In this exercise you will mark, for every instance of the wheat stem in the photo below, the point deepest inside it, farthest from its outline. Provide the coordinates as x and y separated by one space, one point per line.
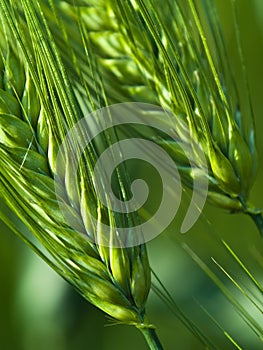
258 220
151 338
255 214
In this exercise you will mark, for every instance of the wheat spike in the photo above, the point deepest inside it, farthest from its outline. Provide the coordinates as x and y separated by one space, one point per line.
207 102
117 280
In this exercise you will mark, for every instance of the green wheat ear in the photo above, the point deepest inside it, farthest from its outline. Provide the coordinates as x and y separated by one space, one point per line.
188 82
32 173
37 106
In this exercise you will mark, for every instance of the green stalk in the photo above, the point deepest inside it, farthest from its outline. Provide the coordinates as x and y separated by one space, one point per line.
258 220
151 338
255 214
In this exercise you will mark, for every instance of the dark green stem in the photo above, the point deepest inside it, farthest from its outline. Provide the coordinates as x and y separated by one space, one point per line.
258 220
151 338
254 213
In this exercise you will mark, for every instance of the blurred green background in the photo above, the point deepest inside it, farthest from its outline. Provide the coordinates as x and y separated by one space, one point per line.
40 311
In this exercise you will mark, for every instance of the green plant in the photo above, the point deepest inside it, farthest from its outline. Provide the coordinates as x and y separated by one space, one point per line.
60 60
